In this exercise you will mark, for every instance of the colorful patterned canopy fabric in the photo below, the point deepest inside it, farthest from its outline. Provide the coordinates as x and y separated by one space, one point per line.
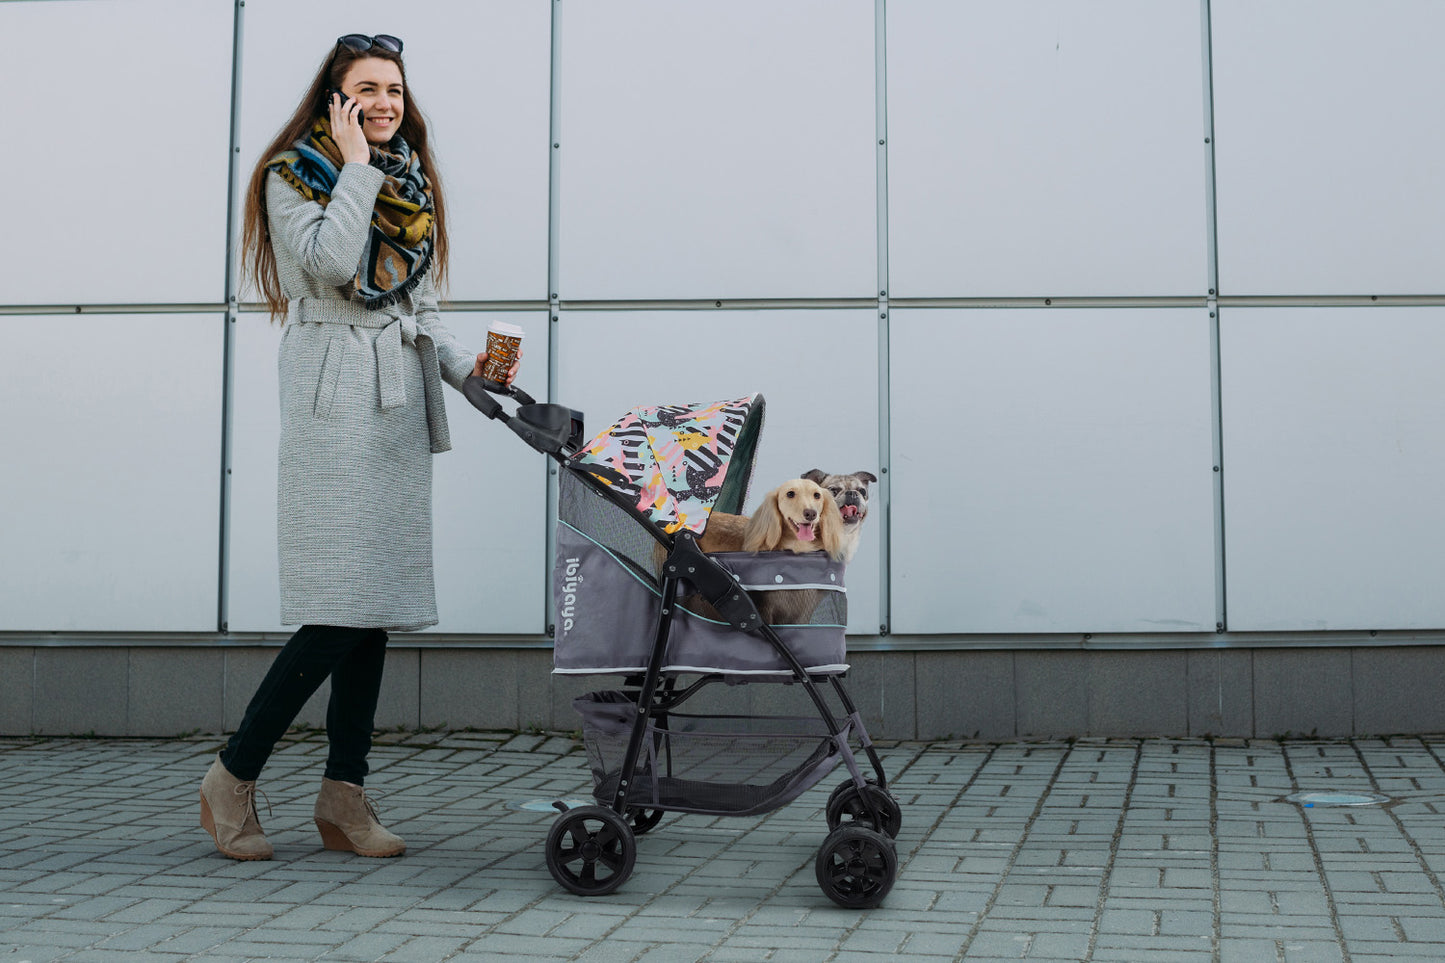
677 460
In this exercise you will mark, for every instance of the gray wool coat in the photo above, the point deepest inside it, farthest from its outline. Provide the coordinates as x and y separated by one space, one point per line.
361 415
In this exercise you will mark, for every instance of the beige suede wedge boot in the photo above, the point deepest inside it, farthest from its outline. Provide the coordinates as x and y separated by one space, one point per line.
348 822
228 813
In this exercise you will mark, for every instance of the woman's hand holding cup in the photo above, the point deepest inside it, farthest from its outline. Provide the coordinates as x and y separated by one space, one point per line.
499 363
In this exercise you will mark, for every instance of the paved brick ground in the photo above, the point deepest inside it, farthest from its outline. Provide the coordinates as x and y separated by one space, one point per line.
1118 850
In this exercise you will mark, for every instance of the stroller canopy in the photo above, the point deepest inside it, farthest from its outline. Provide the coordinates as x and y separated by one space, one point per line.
678 463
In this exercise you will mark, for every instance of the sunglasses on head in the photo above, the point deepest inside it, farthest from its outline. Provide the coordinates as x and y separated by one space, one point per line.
360 42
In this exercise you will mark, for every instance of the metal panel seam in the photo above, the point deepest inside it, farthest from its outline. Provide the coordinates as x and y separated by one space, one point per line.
223 568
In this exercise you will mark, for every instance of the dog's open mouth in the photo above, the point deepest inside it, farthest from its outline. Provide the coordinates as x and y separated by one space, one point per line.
804 531
850 513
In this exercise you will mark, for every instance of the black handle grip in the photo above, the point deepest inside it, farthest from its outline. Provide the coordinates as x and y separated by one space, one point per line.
511 391
476 391
479 389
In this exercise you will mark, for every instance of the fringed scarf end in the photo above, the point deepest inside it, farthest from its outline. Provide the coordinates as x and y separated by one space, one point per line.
404 288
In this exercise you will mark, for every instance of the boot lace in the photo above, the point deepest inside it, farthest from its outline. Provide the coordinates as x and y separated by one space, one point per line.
370 807
248 790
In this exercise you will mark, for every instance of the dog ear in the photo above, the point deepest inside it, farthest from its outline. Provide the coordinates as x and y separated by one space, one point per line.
831 530
814 475
867 476
765 529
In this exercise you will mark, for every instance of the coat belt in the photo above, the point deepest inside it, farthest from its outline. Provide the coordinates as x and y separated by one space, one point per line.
396 330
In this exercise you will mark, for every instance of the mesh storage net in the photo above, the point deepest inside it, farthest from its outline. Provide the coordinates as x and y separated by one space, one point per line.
717 765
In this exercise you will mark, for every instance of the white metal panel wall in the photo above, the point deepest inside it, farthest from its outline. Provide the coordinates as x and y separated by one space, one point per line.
480 70
1044 147
1035 148
488 512
112 479
1334 442
1052 471
120 132
717 150
817 370
253 571
1330 137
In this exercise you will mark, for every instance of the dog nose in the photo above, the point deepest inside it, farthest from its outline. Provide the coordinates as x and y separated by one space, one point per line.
810 513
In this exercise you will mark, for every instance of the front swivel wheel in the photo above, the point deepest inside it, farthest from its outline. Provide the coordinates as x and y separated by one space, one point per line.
856 866
590 850
641 820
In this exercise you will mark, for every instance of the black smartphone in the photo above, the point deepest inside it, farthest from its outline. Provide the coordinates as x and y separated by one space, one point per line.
360 115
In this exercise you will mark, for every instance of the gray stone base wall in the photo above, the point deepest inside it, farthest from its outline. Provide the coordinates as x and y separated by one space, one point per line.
110 690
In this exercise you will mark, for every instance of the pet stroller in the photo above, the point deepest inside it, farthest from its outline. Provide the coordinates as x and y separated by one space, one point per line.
635 597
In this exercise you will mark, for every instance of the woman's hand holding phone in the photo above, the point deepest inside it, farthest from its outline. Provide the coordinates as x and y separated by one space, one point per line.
346 130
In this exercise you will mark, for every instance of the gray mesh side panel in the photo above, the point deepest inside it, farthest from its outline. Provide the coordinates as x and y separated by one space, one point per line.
589 512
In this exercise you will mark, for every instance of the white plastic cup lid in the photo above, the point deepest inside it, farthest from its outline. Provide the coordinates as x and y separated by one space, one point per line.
510 330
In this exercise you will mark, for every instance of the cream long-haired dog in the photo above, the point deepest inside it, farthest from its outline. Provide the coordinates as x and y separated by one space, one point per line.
797 516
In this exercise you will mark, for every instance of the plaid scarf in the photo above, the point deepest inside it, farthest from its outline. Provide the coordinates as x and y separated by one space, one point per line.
399 243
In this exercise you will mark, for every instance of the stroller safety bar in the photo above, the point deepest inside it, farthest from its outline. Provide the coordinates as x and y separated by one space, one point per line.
550 429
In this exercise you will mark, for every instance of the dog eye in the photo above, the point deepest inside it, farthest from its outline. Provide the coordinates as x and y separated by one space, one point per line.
836 490
792 494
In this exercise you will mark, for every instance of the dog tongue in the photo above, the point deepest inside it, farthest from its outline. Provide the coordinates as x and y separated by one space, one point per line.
849 511
805 532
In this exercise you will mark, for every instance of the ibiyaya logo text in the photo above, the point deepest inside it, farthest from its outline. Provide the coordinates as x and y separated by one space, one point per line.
570 581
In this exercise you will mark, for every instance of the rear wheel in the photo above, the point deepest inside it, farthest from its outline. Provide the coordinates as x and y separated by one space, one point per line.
641 820
850 805
590 850
856 867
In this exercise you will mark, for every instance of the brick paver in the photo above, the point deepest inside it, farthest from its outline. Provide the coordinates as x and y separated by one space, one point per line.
1088 850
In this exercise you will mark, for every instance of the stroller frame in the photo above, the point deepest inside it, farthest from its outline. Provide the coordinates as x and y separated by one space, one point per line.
591 849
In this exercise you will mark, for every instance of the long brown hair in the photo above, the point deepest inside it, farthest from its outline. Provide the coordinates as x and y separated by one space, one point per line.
257 258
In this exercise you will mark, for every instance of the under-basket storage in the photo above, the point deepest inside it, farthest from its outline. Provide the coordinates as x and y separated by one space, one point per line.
711 764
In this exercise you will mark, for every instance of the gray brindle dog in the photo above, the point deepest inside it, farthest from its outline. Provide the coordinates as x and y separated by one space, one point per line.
851 494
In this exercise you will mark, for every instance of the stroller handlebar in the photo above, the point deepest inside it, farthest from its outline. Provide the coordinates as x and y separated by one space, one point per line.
479 392
550 429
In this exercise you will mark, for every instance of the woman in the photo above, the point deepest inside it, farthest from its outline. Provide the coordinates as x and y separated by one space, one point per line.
344 231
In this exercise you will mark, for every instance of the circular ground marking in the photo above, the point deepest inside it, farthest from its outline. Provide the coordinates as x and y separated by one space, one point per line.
545 805
1329 798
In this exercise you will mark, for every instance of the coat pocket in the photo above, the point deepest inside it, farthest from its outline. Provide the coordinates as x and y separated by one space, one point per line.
335 360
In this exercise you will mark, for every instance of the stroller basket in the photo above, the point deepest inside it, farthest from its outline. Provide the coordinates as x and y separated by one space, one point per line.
714 765
607 593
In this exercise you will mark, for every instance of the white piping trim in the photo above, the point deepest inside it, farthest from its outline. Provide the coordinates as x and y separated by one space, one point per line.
832 669
784 586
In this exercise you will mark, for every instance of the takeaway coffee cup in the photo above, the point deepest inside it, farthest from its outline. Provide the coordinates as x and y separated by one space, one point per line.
504 341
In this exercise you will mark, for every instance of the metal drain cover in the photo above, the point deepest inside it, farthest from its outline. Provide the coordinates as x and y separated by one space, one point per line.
1327 798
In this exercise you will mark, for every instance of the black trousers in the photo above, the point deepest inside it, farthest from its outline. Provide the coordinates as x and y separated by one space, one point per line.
354 659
